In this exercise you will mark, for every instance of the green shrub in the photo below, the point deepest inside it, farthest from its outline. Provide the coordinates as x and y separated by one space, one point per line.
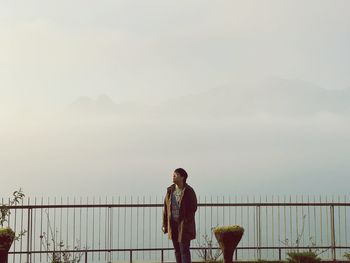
232 228
270 261
302 257
6 231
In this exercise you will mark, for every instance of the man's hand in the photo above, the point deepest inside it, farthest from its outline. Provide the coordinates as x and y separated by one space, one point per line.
165 230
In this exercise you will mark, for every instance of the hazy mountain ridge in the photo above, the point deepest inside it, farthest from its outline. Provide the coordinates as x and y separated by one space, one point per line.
282 97
104 104
274 97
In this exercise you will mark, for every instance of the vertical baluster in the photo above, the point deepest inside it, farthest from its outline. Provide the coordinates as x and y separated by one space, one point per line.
315 221
111 211
34 229
118 226
309 219
266 228
333 231
258 228
93 228
279 224
137 227
303 216
86 226
150 227
339 228
61 222
248 226
67 224
74 225
321 223
286 243
345 222
328 228
21 241
254 228
99 226
131 201
273 226
290 221
143 224
297 221
28 231
106 219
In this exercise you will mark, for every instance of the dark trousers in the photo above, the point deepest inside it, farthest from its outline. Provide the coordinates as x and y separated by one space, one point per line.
182 249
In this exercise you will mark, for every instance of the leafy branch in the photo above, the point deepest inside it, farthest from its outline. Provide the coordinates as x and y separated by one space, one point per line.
206 250
294 256
61 252
5 209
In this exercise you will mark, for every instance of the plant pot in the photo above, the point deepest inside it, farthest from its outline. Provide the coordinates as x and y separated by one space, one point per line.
228 242
6 239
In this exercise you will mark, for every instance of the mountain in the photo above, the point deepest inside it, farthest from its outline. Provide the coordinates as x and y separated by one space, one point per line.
280 97
103 105
276 96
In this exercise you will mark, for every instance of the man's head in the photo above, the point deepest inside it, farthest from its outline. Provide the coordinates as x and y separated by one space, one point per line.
180 176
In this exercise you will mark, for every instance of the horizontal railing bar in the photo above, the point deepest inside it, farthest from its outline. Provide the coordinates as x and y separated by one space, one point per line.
161 205
168 249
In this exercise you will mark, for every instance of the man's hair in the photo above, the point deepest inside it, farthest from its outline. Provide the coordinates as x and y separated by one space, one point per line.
182 173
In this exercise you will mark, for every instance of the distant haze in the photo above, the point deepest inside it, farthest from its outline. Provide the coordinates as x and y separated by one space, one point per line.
109 97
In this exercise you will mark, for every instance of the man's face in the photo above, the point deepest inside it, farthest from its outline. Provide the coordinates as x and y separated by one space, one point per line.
177 178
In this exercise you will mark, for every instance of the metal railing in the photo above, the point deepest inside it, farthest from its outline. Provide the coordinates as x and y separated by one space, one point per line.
128 229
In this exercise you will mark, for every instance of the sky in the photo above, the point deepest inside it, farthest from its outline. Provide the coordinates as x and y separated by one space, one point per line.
109 97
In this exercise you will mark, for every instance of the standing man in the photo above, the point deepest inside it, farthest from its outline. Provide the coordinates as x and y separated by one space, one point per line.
180 205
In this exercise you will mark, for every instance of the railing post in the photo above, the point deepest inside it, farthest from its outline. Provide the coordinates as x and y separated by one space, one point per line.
205 254
258 231
130 255
162 255
28 234
86 256
333 233
279 254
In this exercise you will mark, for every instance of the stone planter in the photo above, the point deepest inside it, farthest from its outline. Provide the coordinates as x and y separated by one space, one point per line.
228 238
6 239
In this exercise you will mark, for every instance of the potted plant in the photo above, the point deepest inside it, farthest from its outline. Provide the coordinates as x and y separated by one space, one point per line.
7 235
228 238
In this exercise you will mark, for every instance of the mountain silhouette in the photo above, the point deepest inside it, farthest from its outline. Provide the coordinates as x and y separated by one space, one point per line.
103 104
274 96
281 97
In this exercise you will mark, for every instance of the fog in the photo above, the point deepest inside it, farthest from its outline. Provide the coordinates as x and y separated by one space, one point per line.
95 147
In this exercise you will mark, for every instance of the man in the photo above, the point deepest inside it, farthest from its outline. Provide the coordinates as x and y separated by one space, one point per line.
180 205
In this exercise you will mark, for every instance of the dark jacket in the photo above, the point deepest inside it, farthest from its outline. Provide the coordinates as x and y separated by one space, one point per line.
188 208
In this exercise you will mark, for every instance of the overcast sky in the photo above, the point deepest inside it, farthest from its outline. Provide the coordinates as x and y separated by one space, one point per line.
148 53
147 50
